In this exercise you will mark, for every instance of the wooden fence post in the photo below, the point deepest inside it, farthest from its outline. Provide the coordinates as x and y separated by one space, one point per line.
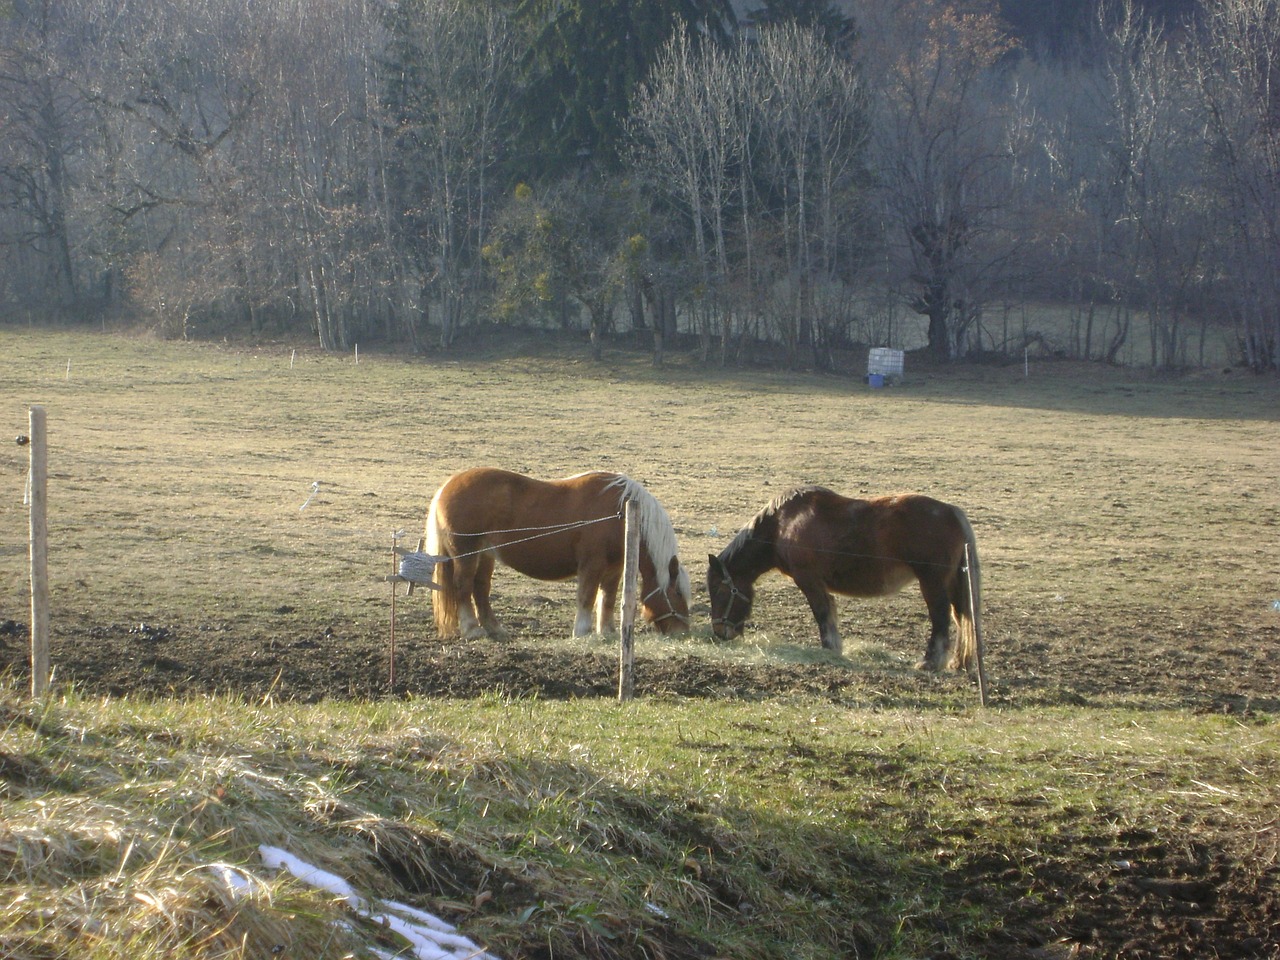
39 476
630 575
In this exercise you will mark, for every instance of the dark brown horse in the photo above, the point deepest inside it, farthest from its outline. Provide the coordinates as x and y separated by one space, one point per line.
860 548
549 530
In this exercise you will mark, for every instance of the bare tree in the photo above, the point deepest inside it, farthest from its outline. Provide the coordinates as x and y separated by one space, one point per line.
1235 65
449 99
43 122
1066 231
940 153
761 140
659 271
687 141
812 126
321 225
175 86
1157 152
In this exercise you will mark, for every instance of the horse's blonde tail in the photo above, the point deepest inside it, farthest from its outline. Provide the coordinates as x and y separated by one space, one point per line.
444 601
967 652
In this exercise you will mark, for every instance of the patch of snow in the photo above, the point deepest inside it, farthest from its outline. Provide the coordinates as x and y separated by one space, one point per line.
429 937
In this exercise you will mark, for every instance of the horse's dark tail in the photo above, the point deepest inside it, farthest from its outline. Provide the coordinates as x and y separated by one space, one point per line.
966 652
444 601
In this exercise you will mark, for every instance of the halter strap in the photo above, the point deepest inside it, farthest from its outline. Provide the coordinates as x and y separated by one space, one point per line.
671 611
734 594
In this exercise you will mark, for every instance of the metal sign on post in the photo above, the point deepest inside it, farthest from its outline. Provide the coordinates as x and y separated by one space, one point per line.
38 480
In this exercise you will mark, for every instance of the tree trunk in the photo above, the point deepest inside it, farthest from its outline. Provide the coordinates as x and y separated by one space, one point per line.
597 345
939 333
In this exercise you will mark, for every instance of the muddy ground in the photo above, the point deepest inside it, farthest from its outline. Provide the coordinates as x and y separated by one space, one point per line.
1219 667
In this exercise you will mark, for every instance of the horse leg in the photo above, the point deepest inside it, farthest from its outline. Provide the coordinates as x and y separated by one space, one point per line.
465 572
484 610
606 603
823 606
588 585
937 598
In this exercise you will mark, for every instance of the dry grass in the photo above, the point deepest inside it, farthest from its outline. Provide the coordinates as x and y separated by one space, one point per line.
178 471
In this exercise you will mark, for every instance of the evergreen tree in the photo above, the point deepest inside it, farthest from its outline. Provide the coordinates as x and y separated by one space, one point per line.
833 25
585 59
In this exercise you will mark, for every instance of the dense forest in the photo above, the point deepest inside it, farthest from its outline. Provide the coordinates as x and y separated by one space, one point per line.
782 178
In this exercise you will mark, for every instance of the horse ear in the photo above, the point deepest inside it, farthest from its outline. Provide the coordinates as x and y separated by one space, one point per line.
673 569
716 564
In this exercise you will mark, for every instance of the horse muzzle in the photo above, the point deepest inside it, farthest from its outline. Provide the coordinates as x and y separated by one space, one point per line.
669 624
726 631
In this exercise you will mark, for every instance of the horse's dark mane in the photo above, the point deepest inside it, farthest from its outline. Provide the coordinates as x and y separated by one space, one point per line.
764 524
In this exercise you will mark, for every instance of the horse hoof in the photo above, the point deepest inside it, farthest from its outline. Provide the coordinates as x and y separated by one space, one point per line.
474 633
928 667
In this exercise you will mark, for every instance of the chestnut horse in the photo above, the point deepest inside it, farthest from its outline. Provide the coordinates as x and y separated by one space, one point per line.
549 530
860 548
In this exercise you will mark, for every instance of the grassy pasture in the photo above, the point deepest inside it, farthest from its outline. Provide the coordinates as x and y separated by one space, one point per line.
763 798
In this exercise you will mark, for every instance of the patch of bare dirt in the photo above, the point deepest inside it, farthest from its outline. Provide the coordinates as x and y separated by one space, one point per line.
1213 666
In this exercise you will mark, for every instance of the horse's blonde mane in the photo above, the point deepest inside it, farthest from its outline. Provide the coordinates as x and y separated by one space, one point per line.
656 532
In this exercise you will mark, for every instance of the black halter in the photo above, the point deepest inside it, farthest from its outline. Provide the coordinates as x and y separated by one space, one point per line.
734 594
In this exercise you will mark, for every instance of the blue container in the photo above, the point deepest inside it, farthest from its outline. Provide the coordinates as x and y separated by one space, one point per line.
875 380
